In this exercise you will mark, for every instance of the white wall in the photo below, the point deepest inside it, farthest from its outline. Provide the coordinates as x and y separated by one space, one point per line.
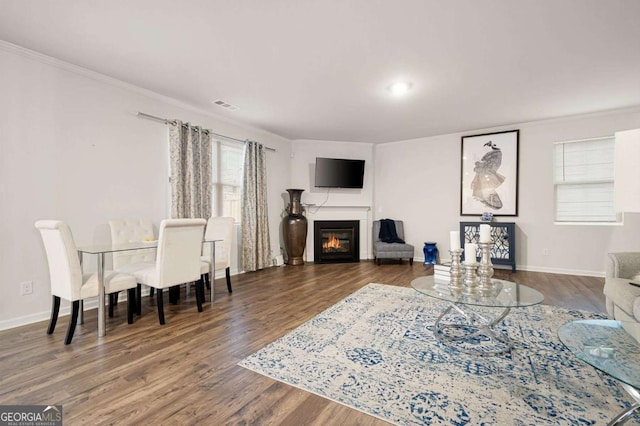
333 203
419 181
73 149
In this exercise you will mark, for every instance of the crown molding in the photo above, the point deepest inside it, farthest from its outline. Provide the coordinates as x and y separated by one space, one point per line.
102 78
525 124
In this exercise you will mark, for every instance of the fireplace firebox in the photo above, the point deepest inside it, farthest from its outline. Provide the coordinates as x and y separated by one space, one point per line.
336 241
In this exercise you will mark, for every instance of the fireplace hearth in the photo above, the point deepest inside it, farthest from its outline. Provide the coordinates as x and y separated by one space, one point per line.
336 241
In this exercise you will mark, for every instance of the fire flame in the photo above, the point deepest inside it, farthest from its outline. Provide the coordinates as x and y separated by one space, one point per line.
332 244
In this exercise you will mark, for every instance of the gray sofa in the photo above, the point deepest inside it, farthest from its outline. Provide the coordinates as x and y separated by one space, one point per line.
623 299
382 250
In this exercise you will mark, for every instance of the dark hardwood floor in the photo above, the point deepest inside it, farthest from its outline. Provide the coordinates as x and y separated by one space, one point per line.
185 372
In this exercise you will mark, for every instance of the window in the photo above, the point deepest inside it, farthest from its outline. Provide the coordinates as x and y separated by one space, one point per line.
226 182
583 180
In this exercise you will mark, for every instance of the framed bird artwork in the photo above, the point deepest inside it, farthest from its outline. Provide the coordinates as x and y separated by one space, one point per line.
489 174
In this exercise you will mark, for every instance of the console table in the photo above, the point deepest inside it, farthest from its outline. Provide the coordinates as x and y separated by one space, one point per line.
503 237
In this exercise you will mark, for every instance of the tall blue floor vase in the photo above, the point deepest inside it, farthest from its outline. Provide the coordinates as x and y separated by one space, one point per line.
430 253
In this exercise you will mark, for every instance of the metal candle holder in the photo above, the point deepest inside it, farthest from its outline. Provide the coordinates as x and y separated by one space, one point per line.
455 274
470 278
485 270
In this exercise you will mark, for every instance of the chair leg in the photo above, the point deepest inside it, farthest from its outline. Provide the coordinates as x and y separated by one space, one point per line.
131 304
199 293
151 291
139 299
227 272
112 302
174 294
55 309
207 280
115 299
75 307
160 307
411 261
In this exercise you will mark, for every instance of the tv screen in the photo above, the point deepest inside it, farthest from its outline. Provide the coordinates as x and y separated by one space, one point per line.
339 173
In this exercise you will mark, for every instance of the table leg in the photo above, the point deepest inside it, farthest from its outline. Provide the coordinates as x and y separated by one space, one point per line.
81 316
476 324
624 416
627 414
213 270
102 319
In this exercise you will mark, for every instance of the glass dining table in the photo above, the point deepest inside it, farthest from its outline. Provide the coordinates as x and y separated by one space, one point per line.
101 249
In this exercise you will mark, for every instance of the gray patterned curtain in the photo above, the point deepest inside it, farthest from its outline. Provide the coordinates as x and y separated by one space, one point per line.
256 249
190 153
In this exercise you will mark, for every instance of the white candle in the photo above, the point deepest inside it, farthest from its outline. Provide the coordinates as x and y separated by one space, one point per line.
485 233
454 240
470 252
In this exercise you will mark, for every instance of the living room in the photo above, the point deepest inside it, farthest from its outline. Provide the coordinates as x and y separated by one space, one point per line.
74 149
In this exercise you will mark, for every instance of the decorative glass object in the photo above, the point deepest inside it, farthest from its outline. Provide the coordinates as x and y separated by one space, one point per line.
430 253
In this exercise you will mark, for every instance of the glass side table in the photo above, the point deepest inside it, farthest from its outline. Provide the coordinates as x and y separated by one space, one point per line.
608 347
467 327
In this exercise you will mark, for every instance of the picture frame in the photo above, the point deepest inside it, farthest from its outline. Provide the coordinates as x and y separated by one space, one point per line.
489 174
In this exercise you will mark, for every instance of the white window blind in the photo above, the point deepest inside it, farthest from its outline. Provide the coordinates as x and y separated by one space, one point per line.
583 179
227 166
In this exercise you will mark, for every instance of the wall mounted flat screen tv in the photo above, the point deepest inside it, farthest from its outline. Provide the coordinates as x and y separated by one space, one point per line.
339 173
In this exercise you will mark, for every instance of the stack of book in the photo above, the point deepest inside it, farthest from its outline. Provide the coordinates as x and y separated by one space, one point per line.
441 272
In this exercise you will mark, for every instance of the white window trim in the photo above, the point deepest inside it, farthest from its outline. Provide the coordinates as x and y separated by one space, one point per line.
620 216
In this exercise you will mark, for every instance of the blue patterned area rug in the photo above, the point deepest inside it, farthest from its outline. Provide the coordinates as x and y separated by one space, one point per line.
375 352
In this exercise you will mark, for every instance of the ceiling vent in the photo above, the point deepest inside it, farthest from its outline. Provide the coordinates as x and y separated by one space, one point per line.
225 105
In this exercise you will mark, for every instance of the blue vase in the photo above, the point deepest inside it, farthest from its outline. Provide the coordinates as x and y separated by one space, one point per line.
430 253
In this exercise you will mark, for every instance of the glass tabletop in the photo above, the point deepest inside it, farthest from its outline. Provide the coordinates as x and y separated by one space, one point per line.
132 245
110 248
605 345
511 295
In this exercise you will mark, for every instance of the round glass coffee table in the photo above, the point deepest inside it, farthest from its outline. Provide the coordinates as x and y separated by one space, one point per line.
607 346
470 329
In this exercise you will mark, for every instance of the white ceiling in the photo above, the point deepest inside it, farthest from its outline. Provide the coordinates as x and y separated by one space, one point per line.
318 69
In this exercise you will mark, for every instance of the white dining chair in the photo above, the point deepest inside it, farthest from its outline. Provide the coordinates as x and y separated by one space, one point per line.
219 228
132 231
177 260
67 280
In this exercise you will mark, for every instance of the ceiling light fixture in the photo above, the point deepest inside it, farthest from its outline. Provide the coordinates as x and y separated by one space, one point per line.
400 88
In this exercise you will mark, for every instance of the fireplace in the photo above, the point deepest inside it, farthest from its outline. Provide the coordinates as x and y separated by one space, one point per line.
336 241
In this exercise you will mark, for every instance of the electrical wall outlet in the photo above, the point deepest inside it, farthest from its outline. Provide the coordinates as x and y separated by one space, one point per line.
26 287
545 252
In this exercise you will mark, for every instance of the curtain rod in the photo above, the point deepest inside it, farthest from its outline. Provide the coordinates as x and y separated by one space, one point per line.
165 121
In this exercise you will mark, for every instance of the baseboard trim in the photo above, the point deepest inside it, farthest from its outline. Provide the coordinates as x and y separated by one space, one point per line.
562 271
534 268
65 307
65 310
